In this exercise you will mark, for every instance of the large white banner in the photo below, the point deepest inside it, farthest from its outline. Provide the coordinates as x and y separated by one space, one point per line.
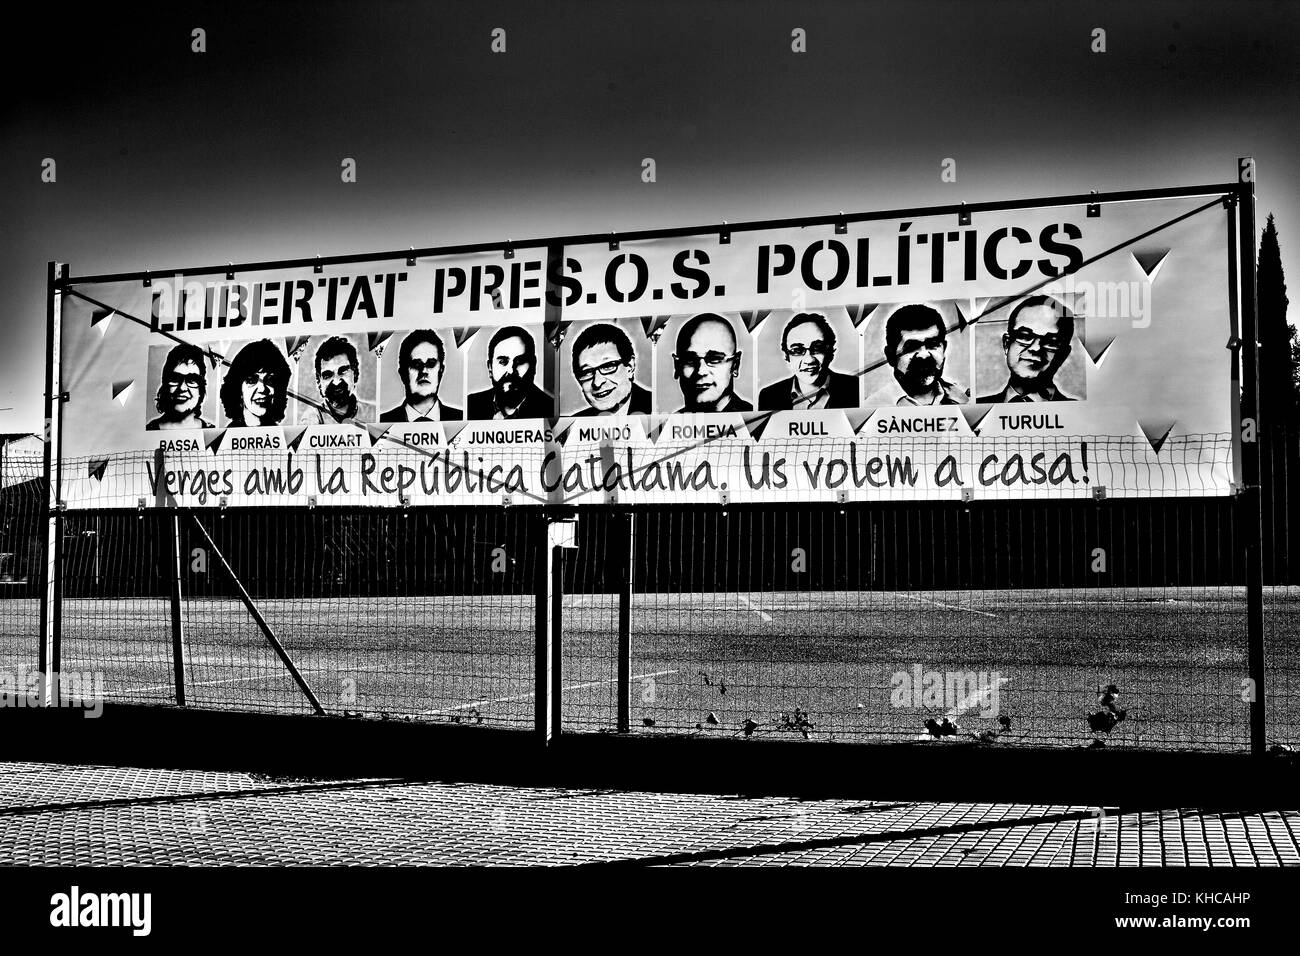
1032 353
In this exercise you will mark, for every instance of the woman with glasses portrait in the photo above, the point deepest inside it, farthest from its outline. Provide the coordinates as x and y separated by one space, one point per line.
182 390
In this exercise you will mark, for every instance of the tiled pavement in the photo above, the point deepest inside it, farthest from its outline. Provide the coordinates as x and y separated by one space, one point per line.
53 814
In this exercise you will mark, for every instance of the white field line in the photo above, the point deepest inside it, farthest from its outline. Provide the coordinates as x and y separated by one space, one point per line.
230 680
528 696
975 698
950 607
753 607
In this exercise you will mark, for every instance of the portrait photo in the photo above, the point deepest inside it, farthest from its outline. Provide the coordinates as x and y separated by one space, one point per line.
915 354
704 363
504 375
606 368
336 381
256 384
421 377
1032 355
181 386
808 359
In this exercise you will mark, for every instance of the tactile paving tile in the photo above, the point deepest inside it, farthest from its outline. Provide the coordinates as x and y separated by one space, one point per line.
61 815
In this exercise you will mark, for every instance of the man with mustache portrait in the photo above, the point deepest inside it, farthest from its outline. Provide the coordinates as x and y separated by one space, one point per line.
916 347
337 372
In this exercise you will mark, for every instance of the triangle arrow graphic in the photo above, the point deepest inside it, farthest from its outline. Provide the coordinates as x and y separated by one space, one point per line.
293 436
860 313
452 429
858 417
653 324
561 432
974 414
377 431
756 423
97 467
1150 261
1156 432
1096 346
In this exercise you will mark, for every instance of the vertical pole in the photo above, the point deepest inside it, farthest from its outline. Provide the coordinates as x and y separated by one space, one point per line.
542 713
546 656
625 627
1251 501
51 591
178 631
557 632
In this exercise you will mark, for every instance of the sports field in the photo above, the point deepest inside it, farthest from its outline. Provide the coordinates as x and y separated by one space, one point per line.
828 661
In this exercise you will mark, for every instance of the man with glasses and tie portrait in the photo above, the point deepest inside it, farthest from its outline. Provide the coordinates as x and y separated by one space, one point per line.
1037 342
604 365
808 346
707 364
421 362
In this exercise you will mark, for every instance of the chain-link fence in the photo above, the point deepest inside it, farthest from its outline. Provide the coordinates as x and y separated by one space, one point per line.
22 551
1112 621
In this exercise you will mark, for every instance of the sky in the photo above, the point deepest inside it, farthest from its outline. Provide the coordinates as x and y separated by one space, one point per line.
167 158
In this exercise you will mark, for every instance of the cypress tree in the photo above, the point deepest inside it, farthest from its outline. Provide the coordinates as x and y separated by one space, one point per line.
1279 348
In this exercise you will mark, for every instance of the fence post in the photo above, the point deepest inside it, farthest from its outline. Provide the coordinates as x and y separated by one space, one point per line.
626 583
52 572
1250 503
178 627
556 549
544 584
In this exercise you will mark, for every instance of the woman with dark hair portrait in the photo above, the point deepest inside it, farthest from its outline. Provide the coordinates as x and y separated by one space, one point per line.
255 390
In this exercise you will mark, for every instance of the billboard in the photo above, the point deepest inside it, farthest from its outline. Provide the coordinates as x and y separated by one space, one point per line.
1034 351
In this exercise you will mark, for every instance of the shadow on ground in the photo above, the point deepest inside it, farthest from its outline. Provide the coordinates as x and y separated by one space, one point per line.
331 748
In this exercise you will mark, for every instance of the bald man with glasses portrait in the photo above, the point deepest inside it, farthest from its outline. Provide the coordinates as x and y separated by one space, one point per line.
707 364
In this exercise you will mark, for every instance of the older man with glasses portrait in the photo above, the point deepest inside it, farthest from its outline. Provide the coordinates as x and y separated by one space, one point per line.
808 345
604 365
1037 343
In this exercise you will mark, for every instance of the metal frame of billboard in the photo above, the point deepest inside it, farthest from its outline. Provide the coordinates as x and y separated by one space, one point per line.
1239 201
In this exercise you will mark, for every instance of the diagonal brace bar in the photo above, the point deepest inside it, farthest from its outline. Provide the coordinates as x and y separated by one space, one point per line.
261 621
